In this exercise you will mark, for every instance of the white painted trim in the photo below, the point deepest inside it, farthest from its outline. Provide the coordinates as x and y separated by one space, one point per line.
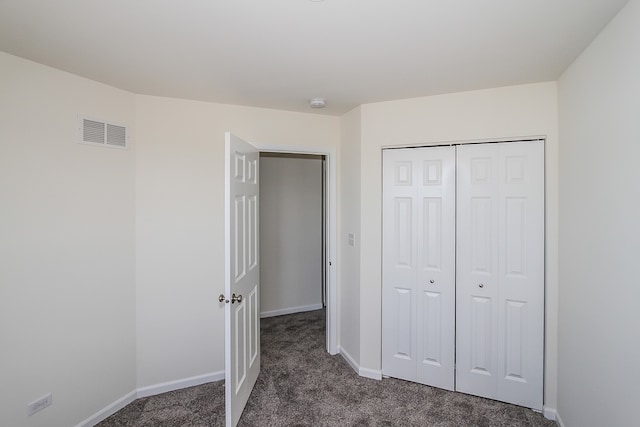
109 410
374 374
549 413
350 360
151 390
559 420
290 310
332 236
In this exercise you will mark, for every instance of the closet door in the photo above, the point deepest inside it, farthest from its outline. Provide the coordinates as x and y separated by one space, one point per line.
418 301
500 272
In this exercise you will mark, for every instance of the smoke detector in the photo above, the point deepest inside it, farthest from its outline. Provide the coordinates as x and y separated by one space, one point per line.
317 103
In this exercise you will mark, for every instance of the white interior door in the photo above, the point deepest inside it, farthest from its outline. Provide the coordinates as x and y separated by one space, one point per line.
500 271
418 307
242 275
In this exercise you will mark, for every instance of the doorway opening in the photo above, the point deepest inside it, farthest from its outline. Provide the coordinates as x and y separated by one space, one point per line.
328 226
292 233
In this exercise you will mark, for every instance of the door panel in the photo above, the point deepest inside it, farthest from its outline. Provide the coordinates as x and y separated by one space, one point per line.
419 206
404 324
476 266
436 267
481 356
500 271
432 329
403 221
242 274
521 274
399 268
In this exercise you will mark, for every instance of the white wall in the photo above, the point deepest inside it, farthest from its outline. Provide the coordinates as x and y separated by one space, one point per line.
506 112
67 212
180 224
599 337
349 213
290 233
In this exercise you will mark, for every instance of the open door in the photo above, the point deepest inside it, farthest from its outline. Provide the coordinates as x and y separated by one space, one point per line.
242 274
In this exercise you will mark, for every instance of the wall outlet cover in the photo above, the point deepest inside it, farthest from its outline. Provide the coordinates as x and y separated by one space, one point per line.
39 404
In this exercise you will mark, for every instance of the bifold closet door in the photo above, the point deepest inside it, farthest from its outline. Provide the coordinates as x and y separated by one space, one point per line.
500 271
418 271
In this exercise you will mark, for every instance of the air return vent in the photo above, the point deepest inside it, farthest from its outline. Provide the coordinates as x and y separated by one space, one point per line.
97 132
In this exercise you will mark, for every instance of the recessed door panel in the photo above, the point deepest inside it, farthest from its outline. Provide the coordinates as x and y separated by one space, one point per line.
515 235
239 166
404 324
515 169
403 173
481 342
432 328
252 224
432 172
239 236
240 343
432 238
481 234
254 326
481 172
515 337
403 231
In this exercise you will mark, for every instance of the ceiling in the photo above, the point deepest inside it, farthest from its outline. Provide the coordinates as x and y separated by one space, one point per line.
281 53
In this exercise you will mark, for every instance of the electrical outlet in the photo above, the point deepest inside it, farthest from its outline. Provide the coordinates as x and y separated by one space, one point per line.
351 239
40 404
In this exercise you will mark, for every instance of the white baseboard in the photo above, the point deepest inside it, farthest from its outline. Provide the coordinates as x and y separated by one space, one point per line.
363 372
374 374
152 390
290 310
106 412
549 413
559 420
147 391
350 360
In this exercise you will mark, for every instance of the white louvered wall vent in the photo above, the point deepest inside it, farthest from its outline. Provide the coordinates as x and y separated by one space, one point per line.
97 132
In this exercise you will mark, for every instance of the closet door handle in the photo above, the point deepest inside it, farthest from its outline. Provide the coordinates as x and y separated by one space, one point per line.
432 281
481 285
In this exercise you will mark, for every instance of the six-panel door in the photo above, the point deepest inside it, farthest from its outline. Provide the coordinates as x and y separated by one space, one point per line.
418 265
500 272
242 275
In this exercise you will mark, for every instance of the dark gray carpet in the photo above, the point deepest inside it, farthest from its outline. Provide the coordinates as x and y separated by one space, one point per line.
302 385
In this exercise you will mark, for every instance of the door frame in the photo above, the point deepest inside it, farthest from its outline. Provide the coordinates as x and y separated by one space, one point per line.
330 186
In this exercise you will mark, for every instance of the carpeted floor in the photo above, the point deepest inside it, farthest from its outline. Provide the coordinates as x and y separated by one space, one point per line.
302 385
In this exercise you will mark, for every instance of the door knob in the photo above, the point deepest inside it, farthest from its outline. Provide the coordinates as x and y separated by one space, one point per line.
234 298
432 281
481 285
